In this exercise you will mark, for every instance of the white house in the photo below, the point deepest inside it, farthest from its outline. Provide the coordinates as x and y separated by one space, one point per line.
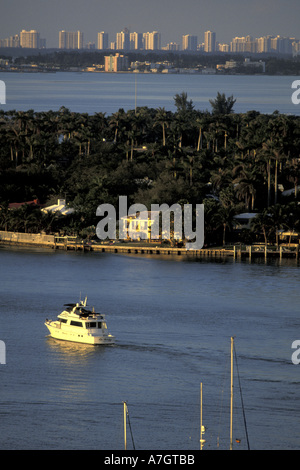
243 221
60 207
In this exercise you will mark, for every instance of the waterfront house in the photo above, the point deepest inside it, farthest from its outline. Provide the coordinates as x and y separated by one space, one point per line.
61 208
138 226
243 221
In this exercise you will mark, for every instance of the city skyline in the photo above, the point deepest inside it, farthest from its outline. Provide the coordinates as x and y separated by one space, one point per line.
172 18
129 41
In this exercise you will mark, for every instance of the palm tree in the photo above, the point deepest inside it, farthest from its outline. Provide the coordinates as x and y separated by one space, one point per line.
279 219
182 103
293 173
262 223
115 122
174 162
226 211
162 118
222 105
245 182
190 162
272 151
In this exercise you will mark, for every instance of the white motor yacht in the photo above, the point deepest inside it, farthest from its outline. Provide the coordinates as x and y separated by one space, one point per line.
79 324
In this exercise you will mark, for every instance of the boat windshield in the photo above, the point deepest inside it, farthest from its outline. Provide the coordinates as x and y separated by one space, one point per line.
76 323
96 324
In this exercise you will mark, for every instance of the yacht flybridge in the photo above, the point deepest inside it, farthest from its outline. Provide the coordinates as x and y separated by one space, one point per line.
80 324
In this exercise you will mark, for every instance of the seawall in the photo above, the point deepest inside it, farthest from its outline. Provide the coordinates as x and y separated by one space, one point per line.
72 244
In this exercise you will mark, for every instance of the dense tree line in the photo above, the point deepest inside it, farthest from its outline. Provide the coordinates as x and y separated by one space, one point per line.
230 162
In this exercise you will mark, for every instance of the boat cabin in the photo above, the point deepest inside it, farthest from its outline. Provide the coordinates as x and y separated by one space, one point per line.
83 323
76 315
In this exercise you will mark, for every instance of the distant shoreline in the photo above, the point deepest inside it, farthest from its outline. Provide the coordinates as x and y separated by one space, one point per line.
235 252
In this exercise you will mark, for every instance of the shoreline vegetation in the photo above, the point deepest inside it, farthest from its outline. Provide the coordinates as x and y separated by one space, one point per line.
17 60
232 163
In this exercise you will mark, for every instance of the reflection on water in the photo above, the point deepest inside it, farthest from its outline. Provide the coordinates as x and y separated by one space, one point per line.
73 352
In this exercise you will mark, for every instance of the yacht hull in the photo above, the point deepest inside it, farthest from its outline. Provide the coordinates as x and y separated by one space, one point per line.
77 336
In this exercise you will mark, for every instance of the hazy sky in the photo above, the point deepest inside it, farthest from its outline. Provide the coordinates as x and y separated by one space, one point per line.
172 18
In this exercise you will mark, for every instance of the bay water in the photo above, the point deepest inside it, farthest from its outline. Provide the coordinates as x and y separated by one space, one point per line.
173 319
108 92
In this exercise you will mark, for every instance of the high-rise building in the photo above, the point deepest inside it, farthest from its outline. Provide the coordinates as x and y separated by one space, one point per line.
243 44
281 45
152 41
102 40
136 41
116 63
263 44
14 41
209 41
296 48
70 40
30 39
172 46
123 40
223 47
189 42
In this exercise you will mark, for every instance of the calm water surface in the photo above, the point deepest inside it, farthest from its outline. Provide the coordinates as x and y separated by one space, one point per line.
107 93
173 320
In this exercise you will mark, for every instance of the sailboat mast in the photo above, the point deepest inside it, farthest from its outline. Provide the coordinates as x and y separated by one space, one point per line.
125 422
201 441
231 392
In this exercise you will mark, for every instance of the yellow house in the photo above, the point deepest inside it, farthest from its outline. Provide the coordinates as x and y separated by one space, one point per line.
138 226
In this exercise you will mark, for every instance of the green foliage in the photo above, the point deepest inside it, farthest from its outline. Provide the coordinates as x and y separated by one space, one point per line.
222 105
182 103
231 162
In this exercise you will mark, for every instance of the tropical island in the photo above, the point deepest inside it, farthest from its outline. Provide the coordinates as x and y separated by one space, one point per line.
246 163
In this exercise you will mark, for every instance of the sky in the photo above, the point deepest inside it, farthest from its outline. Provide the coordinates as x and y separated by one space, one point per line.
172 18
